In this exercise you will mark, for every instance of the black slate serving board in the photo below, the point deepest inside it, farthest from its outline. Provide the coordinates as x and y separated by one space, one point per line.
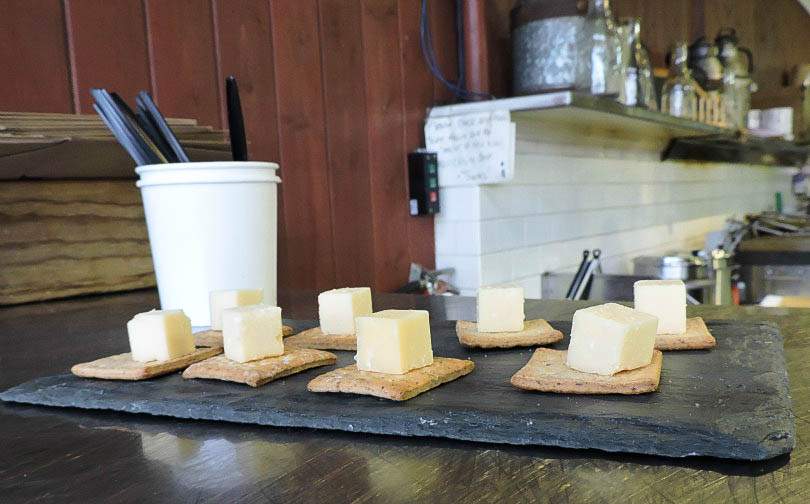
730 402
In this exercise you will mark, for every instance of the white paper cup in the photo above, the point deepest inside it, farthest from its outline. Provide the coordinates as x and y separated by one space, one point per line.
211 226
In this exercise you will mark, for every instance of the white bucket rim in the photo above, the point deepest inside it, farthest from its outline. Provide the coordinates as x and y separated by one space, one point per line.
207 172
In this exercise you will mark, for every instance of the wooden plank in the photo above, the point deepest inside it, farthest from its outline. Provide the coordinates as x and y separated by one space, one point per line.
33 59
107 54
442 15
186 81
245 50
309 259
347 143
63 238
384 99
417 88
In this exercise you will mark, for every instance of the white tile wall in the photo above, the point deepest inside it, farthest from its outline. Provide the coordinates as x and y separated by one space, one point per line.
587 195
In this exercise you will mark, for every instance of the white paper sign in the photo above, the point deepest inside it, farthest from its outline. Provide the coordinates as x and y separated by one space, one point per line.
473 149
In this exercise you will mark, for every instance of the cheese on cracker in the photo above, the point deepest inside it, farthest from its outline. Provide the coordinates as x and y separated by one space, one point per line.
252 332
609 338
394 341
222 299
160 335
665 299
337 309
500 309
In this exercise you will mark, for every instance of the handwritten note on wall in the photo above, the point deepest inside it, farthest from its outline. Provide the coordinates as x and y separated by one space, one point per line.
473 149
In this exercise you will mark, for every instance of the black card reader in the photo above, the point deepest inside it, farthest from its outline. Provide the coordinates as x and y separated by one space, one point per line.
423 179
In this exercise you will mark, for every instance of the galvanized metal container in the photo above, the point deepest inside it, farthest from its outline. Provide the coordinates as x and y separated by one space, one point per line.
544 44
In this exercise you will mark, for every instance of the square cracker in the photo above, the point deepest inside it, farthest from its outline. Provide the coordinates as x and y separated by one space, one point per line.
696 337
122 367
314 338
257 373
534 333
391 386
212 338
546 372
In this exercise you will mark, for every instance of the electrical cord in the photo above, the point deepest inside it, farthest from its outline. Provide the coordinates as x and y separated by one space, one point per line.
430 59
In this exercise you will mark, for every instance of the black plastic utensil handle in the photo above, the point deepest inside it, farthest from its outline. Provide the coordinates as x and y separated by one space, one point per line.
578 275
236 122
133 152
145 103
134 125
113 118
147 129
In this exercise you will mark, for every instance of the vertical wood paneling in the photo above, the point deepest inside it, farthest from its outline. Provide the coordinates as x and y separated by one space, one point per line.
33 57
442 24
663 22
305 187
246 52
104 53
417 89
347 143
385 103
184 61
334 90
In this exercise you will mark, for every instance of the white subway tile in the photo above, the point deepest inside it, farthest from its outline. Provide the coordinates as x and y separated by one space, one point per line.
460 203
496 268
501 234
467 273
531 286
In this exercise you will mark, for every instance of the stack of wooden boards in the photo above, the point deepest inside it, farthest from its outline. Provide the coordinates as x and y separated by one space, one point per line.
78 226
45 145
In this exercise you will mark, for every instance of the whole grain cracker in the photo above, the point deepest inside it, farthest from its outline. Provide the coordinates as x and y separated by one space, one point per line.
257 373
402 387
314 338
534 333
212 338
546 371
696 337
122 367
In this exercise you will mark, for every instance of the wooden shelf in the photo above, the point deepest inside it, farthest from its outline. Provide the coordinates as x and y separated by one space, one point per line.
687 139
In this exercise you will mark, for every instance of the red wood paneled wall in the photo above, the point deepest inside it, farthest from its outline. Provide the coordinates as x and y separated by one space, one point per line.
334 90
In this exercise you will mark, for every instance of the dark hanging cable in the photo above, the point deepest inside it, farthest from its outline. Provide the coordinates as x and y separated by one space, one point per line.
430 59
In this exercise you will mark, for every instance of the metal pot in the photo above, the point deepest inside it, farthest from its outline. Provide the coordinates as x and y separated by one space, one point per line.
677 266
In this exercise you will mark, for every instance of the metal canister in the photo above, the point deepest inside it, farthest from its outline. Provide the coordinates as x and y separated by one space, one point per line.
544 44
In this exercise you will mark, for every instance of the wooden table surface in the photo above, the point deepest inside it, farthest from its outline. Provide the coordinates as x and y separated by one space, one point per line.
62 455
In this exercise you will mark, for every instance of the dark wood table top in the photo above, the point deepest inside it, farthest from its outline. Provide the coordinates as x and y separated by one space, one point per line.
85 456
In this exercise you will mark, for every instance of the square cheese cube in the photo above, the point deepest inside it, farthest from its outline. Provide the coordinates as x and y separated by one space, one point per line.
337 308
665 299
160 335
221 299
252 332
394 341
500 309
609 338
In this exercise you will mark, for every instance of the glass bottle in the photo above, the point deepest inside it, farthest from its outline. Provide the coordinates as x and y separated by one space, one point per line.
598 55
679 96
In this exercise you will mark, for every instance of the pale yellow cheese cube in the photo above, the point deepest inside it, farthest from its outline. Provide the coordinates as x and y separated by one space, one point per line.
394 341
160 335
252 332
665 299
337 309
500 309
222 299
609 338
